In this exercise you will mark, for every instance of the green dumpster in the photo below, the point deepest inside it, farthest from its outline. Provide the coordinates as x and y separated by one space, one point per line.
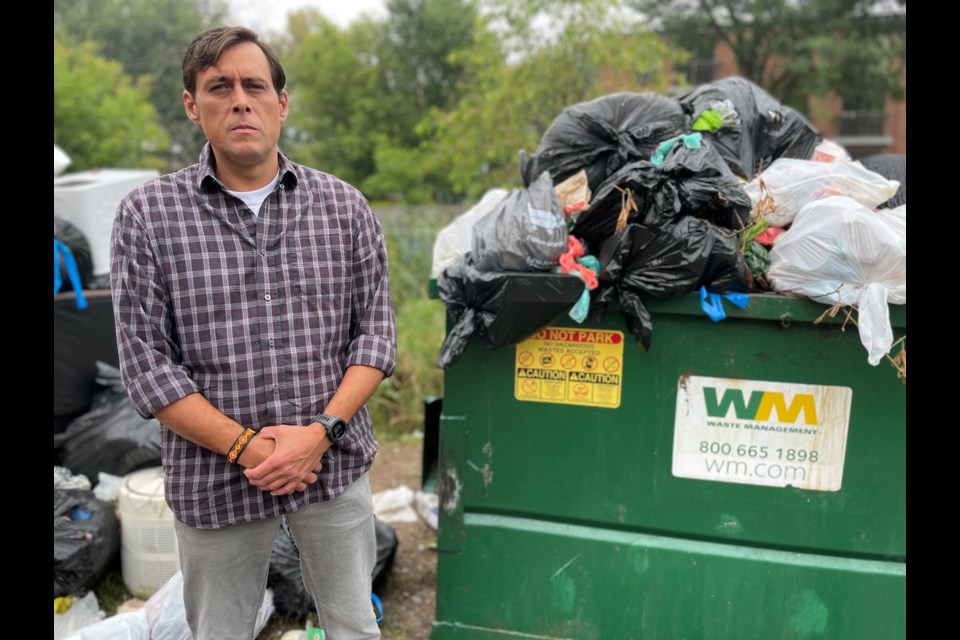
742 479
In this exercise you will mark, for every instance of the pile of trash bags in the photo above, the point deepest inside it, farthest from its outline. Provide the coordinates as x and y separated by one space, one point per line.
637 195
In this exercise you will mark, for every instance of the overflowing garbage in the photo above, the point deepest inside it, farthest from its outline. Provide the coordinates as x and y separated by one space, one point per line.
725 192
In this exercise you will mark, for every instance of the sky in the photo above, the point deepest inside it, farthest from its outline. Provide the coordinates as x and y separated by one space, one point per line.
271 15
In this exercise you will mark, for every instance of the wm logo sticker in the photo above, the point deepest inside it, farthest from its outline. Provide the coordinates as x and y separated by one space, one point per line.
761 405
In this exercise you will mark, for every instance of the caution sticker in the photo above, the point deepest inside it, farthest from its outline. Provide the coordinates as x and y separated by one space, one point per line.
570 366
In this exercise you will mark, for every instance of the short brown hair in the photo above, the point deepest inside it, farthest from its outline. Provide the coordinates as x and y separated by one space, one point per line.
207 48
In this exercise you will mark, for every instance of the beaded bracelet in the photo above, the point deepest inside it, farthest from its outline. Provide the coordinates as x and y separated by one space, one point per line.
239 445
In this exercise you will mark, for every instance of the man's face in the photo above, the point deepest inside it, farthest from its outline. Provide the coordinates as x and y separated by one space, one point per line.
238 108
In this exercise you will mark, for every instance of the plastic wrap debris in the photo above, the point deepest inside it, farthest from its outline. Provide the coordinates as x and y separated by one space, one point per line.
663 263
456 239
584 267
81 613
769 236
428 508
692 182
395 505
284 577
111 437
167 615
123 626
721 114
891 166
690 141
503 308
108 487
767 129
712 303
64 479
162 617
790 184
840 252
527 231
603 135
85 539
830 151
574 194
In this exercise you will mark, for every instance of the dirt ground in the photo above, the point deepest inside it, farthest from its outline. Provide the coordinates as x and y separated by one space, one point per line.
409 601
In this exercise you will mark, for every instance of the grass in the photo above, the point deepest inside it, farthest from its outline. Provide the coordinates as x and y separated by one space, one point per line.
111 592
410 230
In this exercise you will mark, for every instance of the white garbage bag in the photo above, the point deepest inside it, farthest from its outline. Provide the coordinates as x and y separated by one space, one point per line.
839 251
795 183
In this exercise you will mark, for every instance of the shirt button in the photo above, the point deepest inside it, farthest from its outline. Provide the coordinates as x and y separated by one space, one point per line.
276 389
270 342
267 297
263 252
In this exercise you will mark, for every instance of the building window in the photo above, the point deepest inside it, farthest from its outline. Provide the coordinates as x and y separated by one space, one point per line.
861 116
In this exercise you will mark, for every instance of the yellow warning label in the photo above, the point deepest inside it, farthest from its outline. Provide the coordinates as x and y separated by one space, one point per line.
570 366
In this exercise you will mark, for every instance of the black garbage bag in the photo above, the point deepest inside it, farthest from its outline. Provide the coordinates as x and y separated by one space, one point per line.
111 437
79 246
891 166
691 182
80 338
767 130
85 539
290 597
663 263
603 135
502 307
526 231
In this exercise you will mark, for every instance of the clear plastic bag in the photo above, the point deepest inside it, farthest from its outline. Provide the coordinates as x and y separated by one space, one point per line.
82 613
795 183
456 239
839 251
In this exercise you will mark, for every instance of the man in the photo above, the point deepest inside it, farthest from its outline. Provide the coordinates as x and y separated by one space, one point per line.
254 322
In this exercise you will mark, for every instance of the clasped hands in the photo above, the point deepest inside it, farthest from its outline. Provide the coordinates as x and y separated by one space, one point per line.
285 458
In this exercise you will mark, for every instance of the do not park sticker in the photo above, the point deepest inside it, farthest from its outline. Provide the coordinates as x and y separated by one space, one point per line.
570 366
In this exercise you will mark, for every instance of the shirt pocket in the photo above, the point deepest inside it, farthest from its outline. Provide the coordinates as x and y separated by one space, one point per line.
323 278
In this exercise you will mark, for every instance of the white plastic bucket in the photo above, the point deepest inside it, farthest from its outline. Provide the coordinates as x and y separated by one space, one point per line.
148 543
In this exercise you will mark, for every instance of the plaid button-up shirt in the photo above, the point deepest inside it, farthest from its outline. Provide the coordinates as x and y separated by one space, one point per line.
260 314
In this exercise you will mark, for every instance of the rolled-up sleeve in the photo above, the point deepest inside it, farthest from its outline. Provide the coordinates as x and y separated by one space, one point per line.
373 333
149 353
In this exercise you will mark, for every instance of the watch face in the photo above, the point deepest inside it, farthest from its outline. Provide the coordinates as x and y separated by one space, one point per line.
338 430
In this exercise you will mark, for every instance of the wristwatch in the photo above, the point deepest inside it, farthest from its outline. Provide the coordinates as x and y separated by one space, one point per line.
336 428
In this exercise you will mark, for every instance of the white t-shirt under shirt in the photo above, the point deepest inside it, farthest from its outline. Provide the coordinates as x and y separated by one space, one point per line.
253 199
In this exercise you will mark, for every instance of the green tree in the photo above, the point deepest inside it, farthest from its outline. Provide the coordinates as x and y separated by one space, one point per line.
800 48
101 116
336 105
148 37
360 92
529 61
418 70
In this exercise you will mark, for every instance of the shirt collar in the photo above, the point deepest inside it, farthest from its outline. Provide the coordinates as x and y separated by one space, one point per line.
207 177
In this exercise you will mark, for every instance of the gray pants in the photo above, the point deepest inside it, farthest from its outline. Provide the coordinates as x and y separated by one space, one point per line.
225 570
